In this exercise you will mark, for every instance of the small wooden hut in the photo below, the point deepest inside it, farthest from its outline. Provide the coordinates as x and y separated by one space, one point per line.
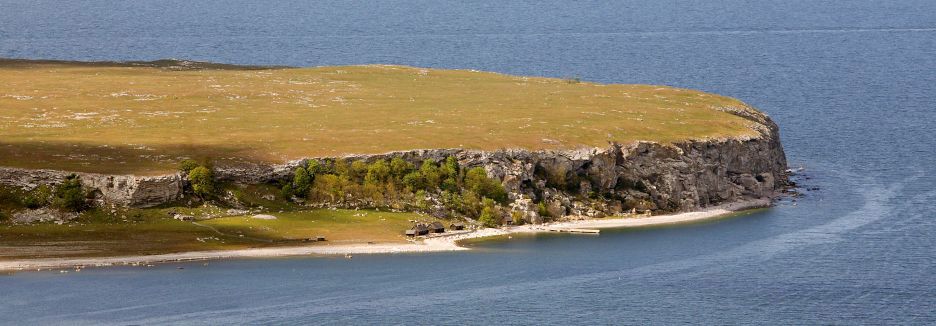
436 227
411 232
421 229
457 226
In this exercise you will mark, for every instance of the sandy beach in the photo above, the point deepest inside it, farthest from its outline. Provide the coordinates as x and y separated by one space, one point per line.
447 242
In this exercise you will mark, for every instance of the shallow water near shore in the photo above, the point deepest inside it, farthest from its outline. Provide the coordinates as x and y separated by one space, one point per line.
850 83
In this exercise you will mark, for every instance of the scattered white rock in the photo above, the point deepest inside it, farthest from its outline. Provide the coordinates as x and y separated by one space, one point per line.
183 217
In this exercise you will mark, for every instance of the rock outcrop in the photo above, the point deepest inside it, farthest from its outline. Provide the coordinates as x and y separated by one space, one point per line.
124 190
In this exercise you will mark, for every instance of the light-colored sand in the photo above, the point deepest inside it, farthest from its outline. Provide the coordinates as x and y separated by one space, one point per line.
447 242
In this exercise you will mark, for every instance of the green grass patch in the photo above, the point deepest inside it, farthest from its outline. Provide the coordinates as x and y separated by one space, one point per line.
144 232
335 225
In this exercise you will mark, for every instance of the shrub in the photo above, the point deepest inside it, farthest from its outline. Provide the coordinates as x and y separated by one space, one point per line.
453 201
516 217
542 210
420 200
202 182
187 166
301 183
38 197
70 194
471 204
287 191
488 218
557 178
450 184
476 180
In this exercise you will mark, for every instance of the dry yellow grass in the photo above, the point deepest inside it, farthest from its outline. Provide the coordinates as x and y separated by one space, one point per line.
143 120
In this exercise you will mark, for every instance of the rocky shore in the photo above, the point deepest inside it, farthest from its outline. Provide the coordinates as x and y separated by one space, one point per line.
449 242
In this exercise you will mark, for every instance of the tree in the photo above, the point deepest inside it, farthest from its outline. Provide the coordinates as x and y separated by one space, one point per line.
471 204
450 174
202 182
358 171
378 173
313 167
414 181
399 168
341 168
431 173
70 194
329 185
301 183
450 168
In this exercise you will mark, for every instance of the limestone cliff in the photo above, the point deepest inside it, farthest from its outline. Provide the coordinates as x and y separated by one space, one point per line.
586 181
125 190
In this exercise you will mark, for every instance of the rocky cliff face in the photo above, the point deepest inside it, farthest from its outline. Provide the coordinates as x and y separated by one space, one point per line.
125 190
588 181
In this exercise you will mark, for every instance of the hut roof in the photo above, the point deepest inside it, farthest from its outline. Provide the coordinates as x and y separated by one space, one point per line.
420 227
436 225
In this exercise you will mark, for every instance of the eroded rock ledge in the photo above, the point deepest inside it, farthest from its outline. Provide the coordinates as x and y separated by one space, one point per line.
619 177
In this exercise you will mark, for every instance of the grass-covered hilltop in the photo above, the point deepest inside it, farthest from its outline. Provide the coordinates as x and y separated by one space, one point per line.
105 159
144 118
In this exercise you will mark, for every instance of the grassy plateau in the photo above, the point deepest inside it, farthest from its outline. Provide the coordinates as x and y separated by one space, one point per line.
143 118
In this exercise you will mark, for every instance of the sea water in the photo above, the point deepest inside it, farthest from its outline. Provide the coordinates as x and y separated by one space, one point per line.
852 85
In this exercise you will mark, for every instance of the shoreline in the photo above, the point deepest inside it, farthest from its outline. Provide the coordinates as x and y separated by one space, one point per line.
443 243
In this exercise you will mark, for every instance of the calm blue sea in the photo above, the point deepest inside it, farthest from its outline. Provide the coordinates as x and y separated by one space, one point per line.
852 84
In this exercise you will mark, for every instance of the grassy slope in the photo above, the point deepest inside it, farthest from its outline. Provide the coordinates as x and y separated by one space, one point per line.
119 119
152 233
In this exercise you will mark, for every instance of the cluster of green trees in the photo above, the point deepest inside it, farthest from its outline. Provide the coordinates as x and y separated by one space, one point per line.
68 195
398 183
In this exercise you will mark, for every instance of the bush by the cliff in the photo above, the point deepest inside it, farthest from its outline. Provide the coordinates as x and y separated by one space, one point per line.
38 197
71 195
202 181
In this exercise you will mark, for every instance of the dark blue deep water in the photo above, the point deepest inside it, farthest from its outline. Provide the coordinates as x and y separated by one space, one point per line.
852 84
